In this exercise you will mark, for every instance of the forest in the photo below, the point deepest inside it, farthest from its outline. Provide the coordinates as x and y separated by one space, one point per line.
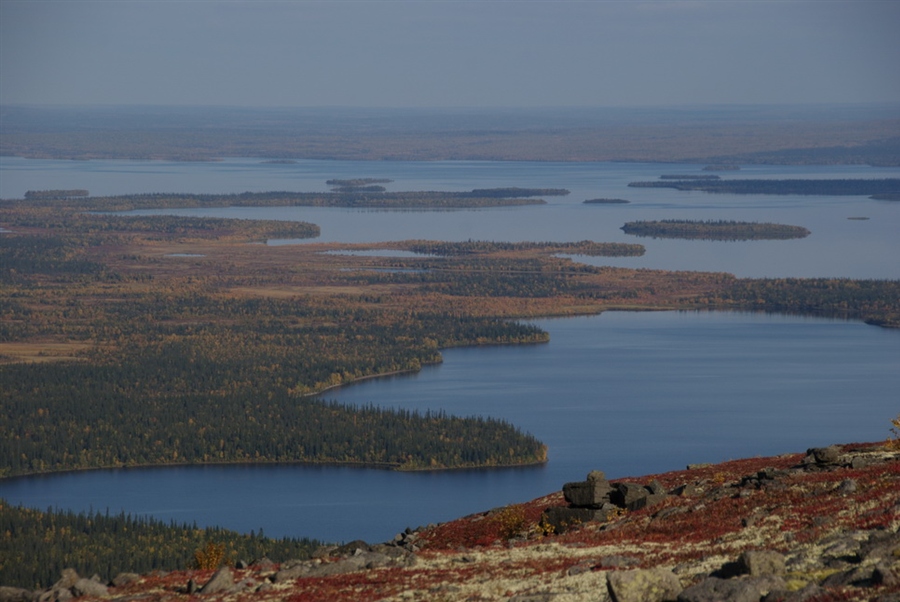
714 230
135 340
35 543
842 187
343 196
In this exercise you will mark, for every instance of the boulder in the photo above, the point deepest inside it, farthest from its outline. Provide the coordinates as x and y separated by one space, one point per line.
56 594
643 585
15 594
761 562
357 562
89 587
294 571
655 488
626 495
633 496
822 457
686 490
561 519
592 493
68 578
221 581
742 589
123 579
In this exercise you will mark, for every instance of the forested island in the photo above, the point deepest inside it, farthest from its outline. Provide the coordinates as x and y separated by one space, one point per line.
714 230
606 202
345 196
836 187
190 345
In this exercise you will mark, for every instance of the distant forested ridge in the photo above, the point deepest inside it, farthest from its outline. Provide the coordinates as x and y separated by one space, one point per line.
35 545
802 135
344 196
714 230
55 194
844 187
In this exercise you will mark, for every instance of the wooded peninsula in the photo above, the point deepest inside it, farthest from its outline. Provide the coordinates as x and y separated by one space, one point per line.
138 340
714 230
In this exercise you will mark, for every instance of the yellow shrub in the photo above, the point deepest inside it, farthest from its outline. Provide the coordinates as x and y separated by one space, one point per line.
210 557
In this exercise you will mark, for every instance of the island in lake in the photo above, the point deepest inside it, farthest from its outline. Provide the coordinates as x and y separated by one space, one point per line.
883 188
714 230
606 202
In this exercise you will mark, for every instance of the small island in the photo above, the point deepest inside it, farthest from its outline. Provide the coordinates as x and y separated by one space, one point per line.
606 202
881 189
357 182
714 230
722 168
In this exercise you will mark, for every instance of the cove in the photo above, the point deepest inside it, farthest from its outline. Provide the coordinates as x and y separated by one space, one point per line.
628 393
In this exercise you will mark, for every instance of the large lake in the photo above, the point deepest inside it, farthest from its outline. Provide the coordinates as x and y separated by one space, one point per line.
837 247
628 393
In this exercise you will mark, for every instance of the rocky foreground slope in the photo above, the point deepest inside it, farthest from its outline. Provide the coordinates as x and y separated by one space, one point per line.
817 526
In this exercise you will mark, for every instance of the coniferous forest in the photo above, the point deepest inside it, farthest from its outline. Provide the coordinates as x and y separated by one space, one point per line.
34 543
135 340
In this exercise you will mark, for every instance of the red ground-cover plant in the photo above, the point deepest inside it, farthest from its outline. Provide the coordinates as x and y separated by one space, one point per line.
485 529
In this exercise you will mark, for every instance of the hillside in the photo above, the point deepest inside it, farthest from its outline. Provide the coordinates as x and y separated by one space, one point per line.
816 526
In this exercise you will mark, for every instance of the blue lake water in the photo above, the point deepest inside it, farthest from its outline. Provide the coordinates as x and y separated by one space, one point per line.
625 392
837 247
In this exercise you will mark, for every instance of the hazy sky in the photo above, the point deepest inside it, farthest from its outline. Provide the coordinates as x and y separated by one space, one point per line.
433 53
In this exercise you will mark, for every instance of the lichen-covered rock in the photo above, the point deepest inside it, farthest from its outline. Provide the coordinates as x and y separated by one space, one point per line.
761 562
643 585
123 579
88 587
740 589
15 594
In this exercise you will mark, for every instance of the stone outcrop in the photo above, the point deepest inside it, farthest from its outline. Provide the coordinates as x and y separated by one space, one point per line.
597 499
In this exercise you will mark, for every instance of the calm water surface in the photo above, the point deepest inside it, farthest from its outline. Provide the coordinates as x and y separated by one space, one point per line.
628 393
625 392
838 246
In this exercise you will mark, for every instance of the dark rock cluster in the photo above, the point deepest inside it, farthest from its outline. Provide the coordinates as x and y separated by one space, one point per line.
596 499
70 585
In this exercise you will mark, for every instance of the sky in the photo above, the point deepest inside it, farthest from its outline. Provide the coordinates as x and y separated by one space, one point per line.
453 53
